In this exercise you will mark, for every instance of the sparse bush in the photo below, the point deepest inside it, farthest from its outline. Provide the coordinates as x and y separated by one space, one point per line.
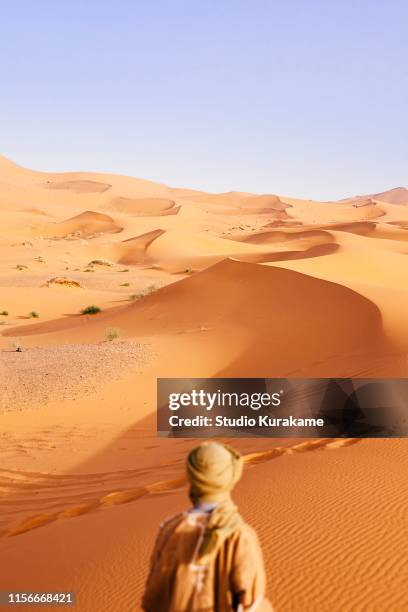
4 313
146 291
33 314
112 333
21 267
90 310
124 270
188 271
100 262
62 281
125 285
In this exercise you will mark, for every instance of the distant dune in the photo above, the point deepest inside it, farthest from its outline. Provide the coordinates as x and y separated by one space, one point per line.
144 206
79 186
399 195
85 224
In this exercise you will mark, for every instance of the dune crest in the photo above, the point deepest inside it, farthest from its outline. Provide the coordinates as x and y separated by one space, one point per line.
144 206
84 186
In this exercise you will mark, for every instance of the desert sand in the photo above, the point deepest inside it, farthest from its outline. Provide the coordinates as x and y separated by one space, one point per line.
193 284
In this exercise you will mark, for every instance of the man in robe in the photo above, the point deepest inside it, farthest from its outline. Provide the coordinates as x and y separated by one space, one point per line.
208 559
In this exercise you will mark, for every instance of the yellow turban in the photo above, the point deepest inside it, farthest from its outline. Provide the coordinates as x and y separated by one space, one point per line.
213 470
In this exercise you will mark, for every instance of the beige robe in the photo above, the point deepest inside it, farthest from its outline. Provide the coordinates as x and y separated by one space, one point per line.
181 582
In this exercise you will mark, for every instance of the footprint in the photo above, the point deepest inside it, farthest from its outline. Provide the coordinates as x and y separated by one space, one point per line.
47 482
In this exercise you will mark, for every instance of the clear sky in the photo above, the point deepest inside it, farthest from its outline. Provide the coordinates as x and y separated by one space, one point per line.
306 98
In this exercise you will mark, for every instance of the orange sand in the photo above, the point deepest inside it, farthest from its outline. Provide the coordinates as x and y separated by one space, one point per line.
199 285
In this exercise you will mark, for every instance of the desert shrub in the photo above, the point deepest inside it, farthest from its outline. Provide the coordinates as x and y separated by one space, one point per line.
90 310
100 262
33 314
143 292
112 333
62 281
4 313
21 267
125 285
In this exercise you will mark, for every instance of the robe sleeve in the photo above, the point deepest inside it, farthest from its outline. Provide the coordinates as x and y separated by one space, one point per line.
248 581
148 595
151 593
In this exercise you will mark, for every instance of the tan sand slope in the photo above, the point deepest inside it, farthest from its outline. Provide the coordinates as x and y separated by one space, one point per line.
313 235
310 237
236 199
177 253
398 195
73 190
322 319
235 203
84 186
85 224
144 206
135 250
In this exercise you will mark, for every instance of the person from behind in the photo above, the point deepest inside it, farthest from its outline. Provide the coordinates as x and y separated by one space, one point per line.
207 558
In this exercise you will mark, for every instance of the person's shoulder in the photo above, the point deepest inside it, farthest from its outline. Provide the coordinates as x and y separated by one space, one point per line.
245 532
247 529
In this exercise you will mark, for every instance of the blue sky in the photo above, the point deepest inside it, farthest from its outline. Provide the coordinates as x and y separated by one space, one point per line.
299 97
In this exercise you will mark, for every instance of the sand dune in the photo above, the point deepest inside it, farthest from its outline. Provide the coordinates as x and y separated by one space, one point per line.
197 285
247 299
9 167
135 250
235 198
84 186
312 237
235 204
177 253
399 196
85 224
144 206
326 234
